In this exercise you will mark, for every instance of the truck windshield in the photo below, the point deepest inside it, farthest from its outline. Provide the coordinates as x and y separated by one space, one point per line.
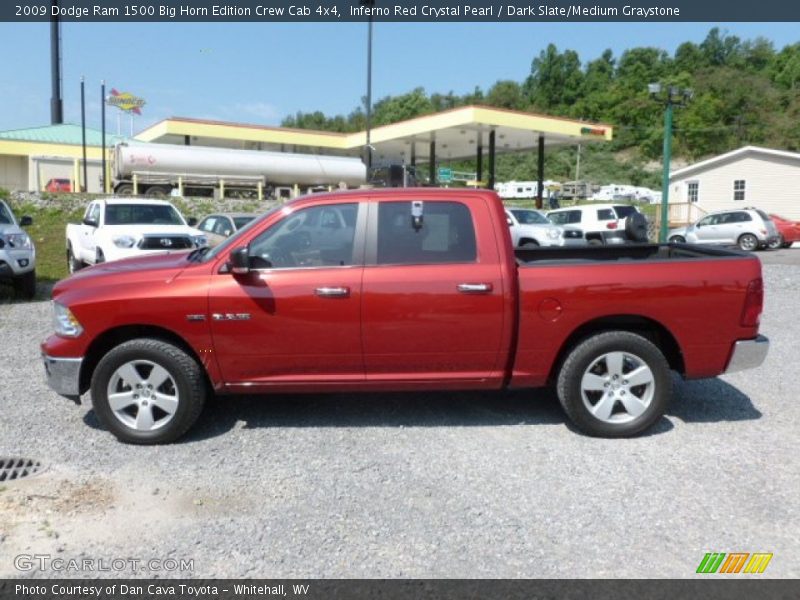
5 215
530 217
142 214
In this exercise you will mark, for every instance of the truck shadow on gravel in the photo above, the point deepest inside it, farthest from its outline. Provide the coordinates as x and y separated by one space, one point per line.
706 401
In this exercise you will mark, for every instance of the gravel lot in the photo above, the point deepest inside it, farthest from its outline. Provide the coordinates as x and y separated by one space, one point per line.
413 485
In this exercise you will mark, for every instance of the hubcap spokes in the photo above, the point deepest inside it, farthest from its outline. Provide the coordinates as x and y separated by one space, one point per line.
143 395
617 387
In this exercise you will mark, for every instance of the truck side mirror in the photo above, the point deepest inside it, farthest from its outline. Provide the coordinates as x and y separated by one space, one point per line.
240 261
192 221
25 221
90 222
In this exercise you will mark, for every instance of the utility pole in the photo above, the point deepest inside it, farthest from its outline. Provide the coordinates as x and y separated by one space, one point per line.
103 133
85 186
369 4
56 103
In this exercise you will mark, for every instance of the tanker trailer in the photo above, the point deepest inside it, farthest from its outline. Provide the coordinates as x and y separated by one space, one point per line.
157 169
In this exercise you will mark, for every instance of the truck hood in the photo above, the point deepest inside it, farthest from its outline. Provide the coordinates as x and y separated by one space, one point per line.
139 230
138 269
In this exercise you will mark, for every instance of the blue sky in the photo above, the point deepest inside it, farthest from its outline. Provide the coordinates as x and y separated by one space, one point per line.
259 73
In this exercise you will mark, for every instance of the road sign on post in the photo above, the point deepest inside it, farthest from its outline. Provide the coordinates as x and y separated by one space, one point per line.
445 175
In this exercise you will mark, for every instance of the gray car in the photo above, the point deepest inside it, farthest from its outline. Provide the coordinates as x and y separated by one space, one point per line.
17 253
530 228
747 228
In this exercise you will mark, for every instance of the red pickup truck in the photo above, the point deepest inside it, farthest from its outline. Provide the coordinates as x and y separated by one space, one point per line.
400 289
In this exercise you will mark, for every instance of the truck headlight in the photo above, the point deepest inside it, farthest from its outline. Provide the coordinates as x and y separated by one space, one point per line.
123 241
553 234
200 240
19 240
64 321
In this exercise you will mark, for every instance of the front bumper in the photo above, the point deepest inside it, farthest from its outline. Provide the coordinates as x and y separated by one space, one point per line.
748 354
63 375
14 263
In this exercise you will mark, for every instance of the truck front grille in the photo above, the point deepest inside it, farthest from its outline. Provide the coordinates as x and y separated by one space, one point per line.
166 242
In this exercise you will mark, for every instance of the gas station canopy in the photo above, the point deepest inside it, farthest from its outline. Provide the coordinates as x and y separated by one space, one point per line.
456 134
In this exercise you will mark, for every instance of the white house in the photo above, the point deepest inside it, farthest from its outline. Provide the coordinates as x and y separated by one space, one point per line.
750 176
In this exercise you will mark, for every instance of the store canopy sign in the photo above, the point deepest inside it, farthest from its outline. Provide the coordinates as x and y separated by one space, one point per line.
126 101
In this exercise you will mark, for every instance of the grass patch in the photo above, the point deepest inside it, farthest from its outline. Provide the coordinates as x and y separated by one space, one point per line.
48 233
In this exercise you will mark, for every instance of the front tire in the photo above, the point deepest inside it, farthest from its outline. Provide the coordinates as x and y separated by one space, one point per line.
73 264
25 285
147 391
614 384
529 244
677 239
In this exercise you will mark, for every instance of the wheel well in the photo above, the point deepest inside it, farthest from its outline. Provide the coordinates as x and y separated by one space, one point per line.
594 236
525 240
651 330
114 337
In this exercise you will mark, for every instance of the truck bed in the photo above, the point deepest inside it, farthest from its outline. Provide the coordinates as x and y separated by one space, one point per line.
624 252
674 289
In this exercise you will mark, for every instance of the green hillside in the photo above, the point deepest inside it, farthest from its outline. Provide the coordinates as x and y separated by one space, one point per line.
745 92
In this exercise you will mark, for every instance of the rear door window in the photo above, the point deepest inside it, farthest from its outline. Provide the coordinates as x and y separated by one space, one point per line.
447 234
566 217
624 211
605 214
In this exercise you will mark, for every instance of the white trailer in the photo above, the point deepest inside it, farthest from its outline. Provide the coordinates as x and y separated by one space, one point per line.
156 170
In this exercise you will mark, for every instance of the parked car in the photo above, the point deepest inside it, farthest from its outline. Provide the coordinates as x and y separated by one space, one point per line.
747 228
58 185
601 223
17 253
115 228
419 289
788 232
530 228
219 226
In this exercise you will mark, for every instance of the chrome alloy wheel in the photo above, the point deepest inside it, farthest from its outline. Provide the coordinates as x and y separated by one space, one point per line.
143 395
617 387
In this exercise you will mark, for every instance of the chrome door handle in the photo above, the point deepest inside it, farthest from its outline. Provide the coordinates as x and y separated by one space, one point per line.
474 288
332 292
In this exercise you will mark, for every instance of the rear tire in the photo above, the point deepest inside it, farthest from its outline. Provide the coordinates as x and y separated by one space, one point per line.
747 242
156 191
786 245
614 384
25 285
125 189
147 391
776 243
677 239
595 242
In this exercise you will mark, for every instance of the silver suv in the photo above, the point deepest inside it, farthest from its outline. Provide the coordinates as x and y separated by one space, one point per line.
747 228
17 254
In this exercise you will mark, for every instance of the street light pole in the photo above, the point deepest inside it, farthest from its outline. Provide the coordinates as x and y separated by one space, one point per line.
85 186
662 236
369 90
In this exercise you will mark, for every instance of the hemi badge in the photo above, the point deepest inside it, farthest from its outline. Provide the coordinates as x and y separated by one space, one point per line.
230 316
195 317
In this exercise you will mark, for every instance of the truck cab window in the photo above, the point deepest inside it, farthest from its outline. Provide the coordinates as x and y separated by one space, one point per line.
447 234
307 238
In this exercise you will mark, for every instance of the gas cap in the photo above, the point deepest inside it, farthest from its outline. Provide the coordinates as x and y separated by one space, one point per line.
550 309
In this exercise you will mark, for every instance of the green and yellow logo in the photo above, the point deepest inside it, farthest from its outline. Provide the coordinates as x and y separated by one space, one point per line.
735 562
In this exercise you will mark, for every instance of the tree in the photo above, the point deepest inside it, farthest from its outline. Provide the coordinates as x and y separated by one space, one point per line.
506 94
555 80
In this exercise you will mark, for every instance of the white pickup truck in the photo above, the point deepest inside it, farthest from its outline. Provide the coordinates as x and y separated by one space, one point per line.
119 228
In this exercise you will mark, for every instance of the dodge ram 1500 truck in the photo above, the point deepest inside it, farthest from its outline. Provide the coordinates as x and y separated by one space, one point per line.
400 289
